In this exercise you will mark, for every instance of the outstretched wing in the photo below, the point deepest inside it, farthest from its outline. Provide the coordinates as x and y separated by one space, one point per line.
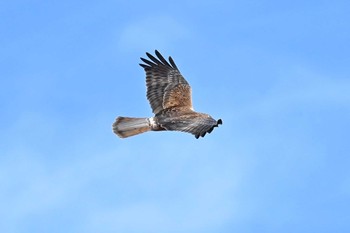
166 87
195 123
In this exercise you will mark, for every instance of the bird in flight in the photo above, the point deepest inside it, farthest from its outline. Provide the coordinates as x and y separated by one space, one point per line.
169 95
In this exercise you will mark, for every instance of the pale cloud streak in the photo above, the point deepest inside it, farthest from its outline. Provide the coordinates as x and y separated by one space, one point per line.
152 32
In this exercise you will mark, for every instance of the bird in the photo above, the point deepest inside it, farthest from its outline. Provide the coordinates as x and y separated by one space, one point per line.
170 97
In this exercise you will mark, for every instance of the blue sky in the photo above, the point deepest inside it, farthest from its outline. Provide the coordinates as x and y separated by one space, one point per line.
276 72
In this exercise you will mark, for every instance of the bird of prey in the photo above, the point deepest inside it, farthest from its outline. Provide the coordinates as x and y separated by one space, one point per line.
169 95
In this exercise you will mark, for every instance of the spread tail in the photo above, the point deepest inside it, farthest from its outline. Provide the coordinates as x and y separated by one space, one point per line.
129 126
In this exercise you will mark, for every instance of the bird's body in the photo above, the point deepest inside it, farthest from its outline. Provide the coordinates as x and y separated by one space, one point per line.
170 98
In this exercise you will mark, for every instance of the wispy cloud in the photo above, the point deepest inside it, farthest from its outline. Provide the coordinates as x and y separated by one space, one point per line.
127 186
298 88
152 32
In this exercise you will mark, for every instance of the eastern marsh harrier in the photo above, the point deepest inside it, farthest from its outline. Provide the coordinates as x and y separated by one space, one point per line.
170 97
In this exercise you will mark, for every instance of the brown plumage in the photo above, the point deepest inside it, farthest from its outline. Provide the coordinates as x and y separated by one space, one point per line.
170 98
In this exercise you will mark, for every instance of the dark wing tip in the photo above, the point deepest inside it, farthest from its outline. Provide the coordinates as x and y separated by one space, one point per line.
149 63
159 61
156 52
173 63
144 66
211 129
162 59
202 134
219 122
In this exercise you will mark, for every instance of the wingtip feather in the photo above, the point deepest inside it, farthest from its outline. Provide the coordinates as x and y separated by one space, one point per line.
172 63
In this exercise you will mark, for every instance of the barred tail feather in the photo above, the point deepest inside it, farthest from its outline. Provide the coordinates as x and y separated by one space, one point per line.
129 126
